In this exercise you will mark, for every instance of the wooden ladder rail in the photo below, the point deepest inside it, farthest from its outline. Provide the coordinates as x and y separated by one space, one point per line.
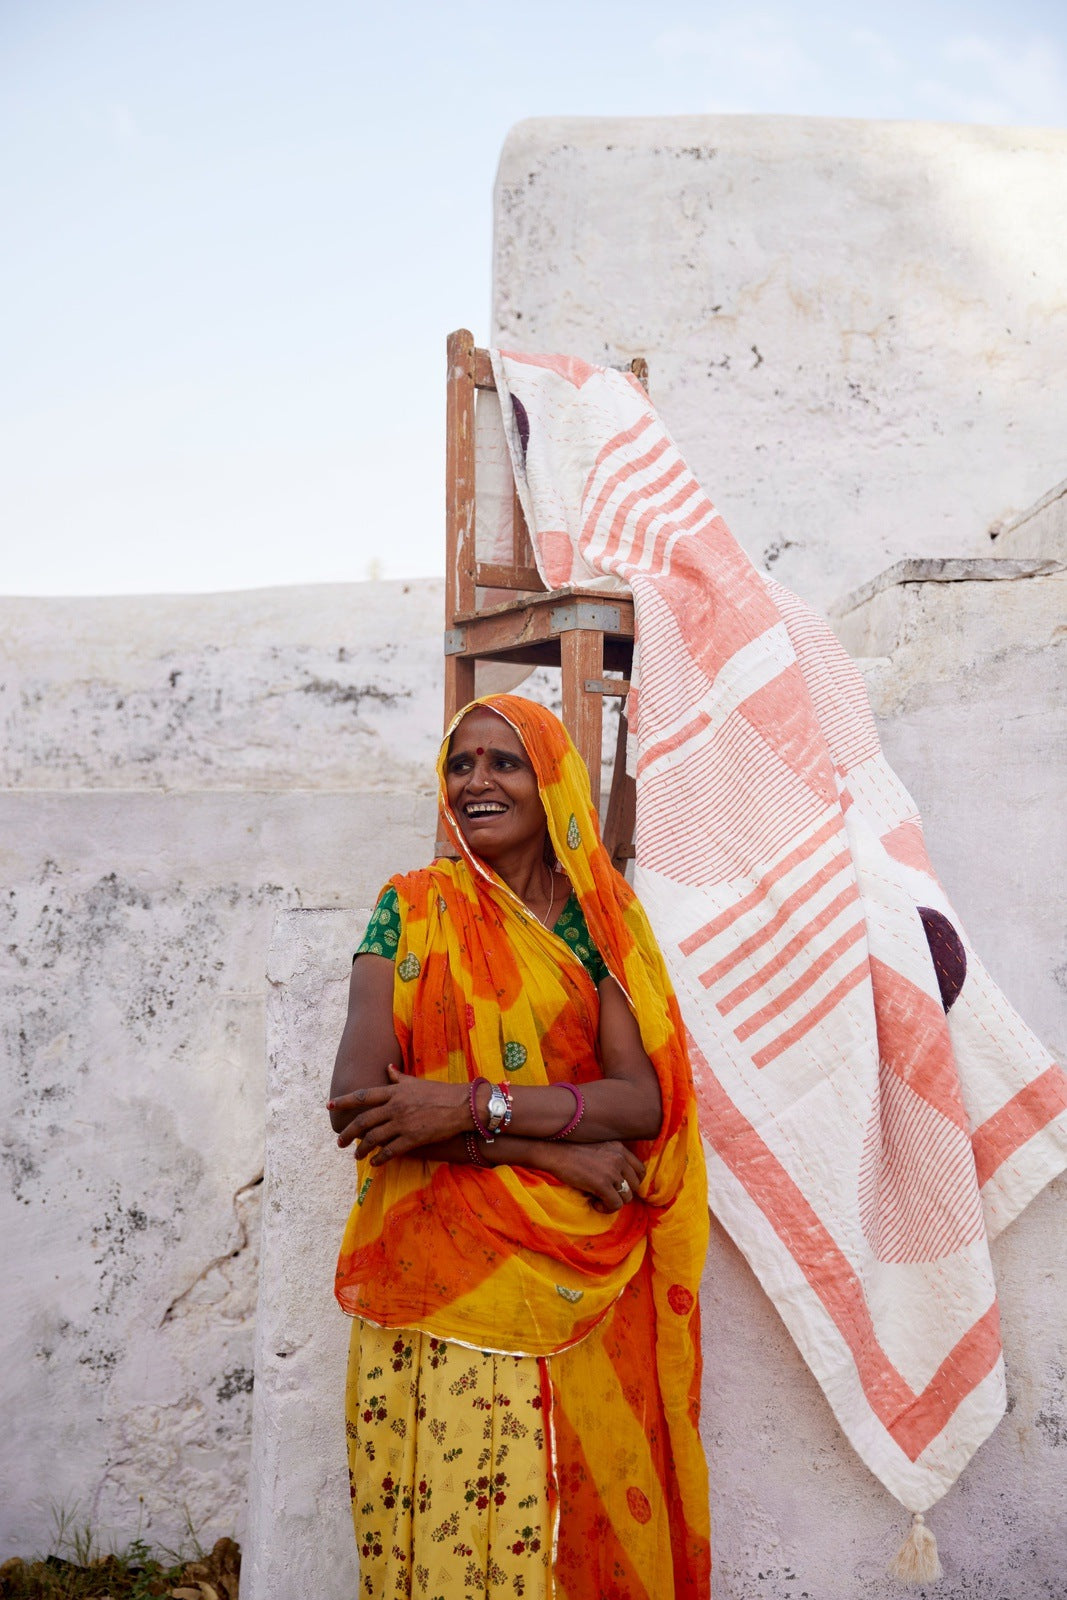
565 627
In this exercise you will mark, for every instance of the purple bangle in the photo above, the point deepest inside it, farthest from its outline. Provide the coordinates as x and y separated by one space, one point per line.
579 1109
477 1159
479 1125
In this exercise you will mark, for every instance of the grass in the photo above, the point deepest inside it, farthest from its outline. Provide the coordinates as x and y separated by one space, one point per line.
78 1569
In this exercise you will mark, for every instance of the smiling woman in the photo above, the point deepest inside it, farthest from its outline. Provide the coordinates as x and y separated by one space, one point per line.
493 792
523 1256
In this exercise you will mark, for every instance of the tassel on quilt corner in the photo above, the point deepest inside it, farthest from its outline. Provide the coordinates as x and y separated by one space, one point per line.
916 1561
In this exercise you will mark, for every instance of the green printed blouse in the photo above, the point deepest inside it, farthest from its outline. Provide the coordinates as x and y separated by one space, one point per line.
383 933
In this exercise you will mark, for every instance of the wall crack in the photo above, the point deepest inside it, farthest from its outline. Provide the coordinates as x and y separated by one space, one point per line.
221 1261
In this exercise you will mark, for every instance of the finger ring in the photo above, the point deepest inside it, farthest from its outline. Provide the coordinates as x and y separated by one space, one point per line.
624 1189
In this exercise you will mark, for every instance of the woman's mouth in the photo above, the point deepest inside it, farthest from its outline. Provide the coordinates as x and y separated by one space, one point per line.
484 808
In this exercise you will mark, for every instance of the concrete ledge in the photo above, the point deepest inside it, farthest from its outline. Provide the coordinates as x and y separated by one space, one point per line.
1040 530
947 616
954 569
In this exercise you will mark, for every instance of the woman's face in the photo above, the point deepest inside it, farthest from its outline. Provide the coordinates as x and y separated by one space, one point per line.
491 787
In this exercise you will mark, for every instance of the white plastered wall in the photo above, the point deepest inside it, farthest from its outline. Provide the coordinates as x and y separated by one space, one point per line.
856 331
174 771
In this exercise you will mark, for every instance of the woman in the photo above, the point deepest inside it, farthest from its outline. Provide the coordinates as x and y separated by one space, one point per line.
524 1253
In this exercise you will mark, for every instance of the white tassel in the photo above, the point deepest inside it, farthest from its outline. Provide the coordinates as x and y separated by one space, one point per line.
916 1561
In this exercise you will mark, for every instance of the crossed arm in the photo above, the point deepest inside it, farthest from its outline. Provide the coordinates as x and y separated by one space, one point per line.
388 1113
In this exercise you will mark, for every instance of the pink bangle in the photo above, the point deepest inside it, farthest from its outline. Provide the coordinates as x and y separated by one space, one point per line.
477 1159
505 1090
579 1109
479 1125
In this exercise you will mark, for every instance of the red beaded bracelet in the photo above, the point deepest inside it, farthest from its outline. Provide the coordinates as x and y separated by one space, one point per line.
579 1109
477 1159
505 1090
479 1125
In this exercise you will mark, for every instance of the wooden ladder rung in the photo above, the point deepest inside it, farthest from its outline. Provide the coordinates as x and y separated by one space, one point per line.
487 575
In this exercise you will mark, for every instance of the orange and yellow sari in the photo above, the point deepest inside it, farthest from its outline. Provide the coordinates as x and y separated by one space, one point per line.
510 1261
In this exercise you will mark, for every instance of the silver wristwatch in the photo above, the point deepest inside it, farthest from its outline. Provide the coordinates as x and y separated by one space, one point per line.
497 1109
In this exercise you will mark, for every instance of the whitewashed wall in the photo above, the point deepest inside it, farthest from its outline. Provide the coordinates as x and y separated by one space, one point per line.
856 331
329 687
174 771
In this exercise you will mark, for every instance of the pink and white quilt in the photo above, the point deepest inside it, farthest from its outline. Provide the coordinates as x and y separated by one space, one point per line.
873 1110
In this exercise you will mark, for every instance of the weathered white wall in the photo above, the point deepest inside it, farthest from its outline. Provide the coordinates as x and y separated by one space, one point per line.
268 689
856 331
174 771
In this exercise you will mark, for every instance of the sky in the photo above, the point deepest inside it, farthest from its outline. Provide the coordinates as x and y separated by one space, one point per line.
237 232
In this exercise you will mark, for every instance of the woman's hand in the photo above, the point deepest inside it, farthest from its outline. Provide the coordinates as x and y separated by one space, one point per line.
609 1173
401 1116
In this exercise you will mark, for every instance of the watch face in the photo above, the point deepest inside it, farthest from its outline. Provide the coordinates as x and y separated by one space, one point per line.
497 1107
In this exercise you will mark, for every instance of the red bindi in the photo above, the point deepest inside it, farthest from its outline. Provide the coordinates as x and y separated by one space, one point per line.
480 751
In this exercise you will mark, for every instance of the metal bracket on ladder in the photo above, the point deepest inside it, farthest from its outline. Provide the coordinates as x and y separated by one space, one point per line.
582 614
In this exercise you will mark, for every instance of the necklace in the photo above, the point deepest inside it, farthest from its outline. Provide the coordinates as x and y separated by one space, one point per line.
544 921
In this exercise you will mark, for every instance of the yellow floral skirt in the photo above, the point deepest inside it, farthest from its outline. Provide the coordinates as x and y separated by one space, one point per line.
448 1469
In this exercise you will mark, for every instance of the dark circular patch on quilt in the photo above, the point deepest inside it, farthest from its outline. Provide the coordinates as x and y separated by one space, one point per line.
522 422
949 956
